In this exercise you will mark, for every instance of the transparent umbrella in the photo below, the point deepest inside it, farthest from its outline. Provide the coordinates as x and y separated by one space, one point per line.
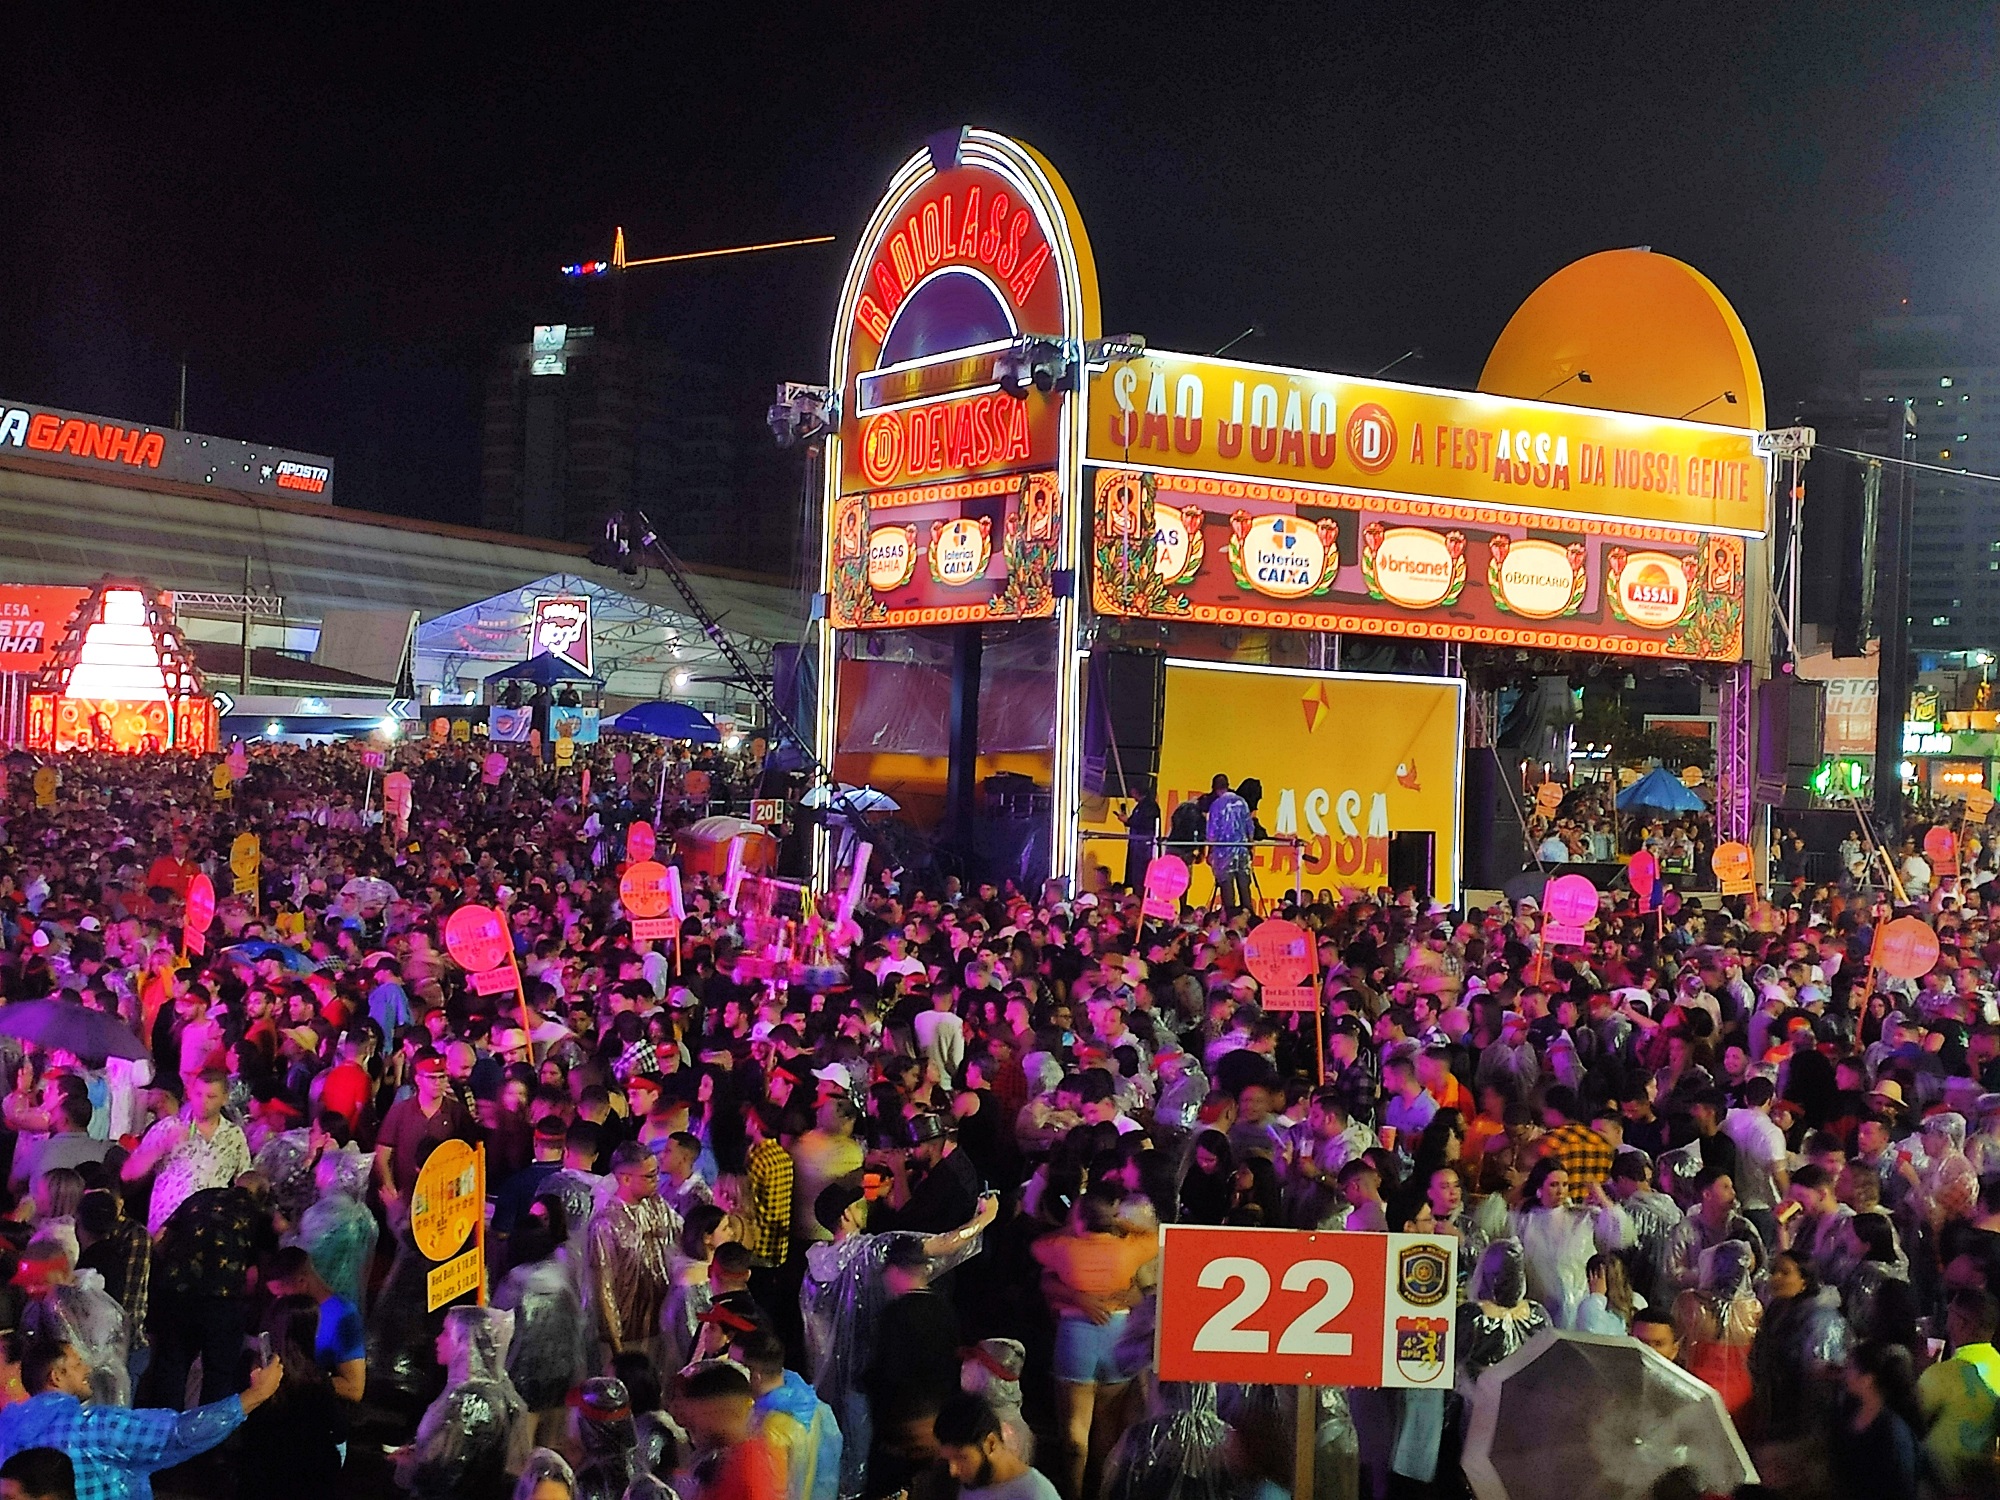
852 799
1575 1414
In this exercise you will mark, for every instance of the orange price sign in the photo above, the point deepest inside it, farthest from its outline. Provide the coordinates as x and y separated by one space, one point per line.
1978 803
1281 958
644 889
1941 849
1906 948
1731 863
476 938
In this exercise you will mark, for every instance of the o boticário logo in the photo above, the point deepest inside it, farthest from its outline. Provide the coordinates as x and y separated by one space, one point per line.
1413 566
1283 556
1534 579
959 550
1650 589
1177 543
892 557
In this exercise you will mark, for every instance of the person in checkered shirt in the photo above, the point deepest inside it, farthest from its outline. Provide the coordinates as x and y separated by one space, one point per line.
1586 1156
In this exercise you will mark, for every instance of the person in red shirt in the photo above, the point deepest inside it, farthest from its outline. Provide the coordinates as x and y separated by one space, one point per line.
168 876
347 1088
715 1405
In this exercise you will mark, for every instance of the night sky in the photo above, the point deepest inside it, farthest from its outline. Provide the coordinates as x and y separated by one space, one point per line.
337 222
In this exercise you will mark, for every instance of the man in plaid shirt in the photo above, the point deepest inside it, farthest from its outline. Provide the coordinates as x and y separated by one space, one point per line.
772 1177
1586 1156
116 1449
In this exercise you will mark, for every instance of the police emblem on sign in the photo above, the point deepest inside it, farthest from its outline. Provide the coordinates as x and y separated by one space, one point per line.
1423 1275
1420 1347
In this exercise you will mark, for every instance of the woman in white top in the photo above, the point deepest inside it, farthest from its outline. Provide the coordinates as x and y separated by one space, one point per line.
1557 1240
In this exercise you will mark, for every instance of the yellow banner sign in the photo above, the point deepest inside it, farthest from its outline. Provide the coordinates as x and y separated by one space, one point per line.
1339 792
453 1279
1197 415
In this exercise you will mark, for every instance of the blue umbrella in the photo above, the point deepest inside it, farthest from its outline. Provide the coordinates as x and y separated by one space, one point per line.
667 721
1659 790
260 948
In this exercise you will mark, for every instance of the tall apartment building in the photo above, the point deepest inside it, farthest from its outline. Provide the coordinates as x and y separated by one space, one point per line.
579 423
1951 376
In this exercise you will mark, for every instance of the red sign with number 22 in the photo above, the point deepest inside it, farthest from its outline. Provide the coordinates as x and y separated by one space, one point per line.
1306 1307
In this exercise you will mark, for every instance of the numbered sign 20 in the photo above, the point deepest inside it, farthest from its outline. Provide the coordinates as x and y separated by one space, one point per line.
1301 1307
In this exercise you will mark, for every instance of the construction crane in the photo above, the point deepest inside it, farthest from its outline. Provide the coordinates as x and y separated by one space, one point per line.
590 269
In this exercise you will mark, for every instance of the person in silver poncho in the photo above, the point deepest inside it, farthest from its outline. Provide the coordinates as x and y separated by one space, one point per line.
547 1476
74 1307
550 1352
842 1301
1501 1316
613 1464
632 1241
465 1436
1178 1452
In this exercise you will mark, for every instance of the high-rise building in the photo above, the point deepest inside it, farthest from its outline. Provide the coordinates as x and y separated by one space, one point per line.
580 423
1950 375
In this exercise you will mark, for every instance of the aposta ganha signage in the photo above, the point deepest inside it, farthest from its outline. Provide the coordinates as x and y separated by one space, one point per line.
1210 416
1230 552
75 440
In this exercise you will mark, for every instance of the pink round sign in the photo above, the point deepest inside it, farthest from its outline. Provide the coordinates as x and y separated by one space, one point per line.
476 938
492 767
640 842
1570 900
1166 877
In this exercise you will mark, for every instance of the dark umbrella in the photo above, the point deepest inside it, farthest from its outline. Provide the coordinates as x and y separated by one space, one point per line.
1575 1414
65 1025
545 670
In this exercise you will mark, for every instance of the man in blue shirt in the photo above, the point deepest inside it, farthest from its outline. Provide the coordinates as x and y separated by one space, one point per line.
116 1449
339 1343
388 1005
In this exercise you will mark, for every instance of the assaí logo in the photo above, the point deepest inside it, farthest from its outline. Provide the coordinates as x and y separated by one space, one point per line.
1343 848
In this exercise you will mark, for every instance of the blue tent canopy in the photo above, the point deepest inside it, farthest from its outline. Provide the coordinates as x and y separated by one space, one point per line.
667 721
545 670
1659 790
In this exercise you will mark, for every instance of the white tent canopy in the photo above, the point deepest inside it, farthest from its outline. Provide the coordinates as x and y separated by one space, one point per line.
638 648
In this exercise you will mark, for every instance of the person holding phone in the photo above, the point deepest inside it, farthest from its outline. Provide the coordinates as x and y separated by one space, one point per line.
292 1443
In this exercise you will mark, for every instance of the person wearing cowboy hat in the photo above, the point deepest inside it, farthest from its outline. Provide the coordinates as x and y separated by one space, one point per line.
943 1193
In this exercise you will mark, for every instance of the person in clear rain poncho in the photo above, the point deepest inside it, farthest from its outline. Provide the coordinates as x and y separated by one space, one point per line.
338 1231
1501 1316
550 1352
1717 1321
465 1438
1178 1452
612 1464
1951 1186
1557 1240
842 1300
73 1306
547 1476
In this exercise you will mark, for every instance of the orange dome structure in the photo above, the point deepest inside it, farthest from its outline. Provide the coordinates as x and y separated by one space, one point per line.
1628 330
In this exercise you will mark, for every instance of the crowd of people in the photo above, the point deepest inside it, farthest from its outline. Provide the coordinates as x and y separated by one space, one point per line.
892 1227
